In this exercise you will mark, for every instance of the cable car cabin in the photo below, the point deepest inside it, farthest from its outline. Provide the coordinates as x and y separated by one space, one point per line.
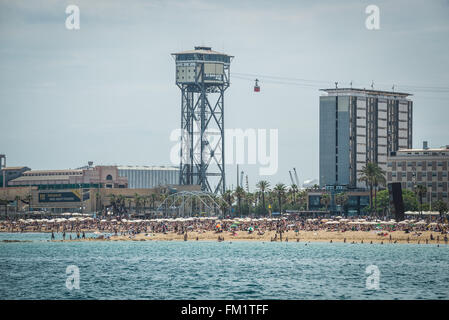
256 86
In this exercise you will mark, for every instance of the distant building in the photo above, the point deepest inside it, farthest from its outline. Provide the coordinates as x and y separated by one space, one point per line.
142 177
310 183
11 173
426 166
356 202
92 177
359 126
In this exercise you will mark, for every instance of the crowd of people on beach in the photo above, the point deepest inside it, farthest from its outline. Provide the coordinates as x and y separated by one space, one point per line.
123 226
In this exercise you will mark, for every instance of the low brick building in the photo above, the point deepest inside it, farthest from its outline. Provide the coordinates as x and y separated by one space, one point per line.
426 166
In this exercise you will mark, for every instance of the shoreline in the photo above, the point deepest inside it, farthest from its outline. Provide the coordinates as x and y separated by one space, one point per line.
365 237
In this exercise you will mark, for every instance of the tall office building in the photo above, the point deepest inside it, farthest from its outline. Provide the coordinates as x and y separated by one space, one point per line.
359 126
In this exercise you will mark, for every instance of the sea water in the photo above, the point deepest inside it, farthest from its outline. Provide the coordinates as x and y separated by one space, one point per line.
219 270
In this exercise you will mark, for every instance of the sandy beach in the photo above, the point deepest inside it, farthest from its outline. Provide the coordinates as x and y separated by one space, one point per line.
245 229
290 236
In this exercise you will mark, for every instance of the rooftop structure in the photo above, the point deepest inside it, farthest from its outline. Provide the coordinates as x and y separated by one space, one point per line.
10 173
365 92
143 177
95 177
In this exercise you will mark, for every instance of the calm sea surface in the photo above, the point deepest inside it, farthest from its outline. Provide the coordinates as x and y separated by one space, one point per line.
212 270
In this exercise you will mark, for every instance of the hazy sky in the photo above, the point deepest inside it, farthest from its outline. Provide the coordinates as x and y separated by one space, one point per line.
107 92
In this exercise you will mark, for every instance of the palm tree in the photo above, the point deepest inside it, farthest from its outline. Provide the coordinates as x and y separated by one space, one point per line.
5 203
137 200
441 207
263 187
239 193
250 198
97 199
144 202
373 176
293 191
121 204
162 197
223 202
280 189
153 200
341 199
28 199
302 199
17 199
420 191
113 202
379 180
228 197
325 200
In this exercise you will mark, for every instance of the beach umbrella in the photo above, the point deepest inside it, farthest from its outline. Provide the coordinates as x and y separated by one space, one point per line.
234 225
250 229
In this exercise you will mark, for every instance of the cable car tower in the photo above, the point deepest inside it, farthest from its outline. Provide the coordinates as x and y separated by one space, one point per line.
203 75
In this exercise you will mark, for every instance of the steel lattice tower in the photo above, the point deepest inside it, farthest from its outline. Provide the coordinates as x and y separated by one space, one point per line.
203 77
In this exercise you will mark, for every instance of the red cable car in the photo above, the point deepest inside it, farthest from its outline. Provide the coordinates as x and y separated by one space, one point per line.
256 86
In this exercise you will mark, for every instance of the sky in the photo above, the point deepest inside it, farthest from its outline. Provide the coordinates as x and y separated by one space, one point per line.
106 92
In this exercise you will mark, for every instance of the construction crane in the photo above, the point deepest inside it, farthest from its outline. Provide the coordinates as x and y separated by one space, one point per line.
296 176
291 177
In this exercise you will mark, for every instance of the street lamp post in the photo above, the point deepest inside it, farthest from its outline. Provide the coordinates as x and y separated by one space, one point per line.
81 198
